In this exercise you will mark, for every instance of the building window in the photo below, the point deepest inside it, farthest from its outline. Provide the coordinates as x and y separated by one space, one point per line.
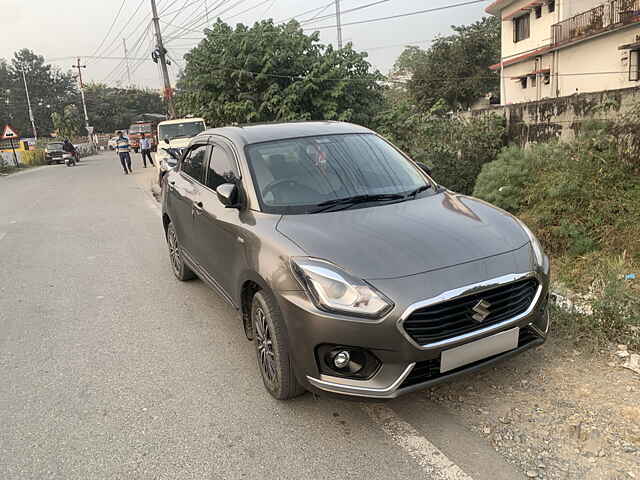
634 65
552 6
547 78
521 28
538 11
533 81
523 82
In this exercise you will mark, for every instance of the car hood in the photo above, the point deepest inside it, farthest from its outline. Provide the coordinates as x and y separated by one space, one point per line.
406 238
177 143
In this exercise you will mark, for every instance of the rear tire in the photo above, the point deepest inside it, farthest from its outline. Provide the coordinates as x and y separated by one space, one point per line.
272 348
180 269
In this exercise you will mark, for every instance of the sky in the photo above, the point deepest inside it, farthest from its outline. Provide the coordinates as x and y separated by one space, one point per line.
64 29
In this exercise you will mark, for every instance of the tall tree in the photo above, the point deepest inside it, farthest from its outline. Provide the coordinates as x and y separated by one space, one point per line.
455 68
49 88
112 108
275 72
67 124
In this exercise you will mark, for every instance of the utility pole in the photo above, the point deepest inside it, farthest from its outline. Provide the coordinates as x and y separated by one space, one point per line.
126 59
162 55
26 89
84 103
339 24
206 11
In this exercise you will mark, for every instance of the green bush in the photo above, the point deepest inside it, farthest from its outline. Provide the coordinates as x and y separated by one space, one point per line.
455 148
503 181
578 196
33 157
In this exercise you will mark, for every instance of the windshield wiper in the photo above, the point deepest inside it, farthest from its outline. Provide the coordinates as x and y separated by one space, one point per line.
350 201
415 192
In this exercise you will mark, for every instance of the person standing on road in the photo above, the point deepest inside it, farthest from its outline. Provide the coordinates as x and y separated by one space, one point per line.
145 149
123 149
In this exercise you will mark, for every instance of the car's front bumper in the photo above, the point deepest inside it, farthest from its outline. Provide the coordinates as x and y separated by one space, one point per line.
405 365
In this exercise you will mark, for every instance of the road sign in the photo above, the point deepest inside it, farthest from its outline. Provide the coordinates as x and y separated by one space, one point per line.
9 133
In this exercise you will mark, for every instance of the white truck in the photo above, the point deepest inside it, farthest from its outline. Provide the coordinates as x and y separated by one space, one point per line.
175 134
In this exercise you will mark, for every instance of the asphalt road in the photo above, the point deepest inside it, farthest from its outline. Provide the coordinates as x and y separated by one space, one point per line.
111 368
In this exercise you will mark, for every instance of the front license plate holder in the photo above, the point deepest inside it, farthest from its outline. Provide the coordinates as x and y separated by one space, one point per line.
478 350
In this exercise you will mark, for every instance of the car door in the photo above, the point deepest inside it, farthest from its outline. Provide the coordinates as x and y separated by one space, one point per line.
219 229
184 189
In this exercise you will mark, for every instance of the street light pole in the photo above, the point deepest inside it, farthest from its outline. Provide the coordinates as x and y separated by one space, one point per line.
84 103
26 89
339 24
126 59
162 55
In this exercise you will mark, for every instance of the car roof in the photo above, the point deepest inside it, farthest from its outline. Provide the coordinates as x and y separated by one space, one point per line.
265 132
181 120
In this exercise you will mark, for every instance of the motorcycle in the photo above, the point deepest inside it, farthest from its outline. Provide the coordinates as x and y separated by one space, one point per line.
69 159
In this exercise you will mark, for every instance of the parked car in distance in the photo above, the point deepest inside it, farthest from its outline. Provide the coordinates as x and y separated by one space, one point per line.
112 143
54 152
353 271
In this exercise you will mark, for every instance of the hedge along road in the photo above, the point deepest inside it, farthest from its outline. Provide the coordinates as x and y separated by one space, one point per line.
111 368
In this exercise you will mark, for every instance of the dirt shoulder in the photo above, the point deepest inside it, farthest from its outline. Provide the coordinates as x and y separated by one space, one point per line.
556 412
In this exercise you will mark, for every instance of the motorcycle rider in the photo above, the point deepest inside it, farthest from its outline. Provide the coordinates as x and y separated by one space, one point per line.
68 147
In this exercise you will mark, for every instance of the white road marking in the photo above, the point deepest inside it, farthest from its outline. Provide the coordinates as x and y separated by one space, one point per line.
2 235
428 456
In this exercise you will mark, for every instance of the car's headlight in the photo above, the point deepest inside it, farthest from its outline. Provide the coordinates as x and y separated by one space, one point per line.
334 290
535 244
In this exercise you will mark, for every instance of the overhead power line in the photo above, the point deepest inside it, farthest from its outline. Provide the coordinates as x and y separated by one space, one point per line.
119 35
111 27
342 12
401 15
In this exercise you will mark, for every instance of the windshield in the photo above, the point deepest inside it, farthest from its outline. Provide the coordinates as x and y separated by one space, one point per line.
180 130
140 128
298 175
54 146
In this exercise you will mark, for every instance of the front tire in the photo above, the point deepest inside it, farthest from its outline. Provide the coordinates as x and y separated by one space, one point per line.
272 348
180 269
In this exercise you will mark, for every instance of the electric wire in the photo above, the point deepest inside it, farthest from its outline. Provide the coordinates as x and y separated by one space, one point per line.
400 15
110 28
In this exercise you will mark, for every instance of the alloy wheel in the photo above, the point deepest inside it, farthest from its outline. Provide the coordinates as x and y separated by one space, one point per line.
265 350
174 251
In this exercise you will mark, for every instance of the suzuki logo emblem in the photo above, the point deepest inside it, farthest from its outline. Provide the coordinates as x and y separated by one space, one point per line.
482 311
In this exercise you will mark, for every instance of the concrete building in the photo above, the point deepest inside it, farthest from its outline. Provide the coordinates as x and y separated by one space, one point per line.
555 48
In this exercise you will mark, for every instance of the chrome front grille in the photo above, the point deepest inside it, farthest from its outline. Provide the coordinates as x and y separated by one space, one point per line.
455 317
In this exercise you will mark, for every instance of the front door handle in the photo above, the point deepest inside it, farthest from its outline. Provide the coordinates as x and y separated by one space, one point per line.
198 208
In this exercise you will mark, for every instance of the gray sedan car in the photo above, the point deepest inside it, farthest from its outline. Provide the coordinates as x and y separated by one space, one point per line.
352 270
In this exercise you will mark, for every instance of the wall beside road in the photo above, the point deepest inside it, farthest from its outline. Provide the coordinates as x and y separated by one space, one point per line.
560 117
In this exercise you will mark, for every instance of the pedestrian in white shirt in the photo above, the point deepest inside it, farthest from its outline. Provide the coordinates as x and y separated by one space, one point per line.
145 149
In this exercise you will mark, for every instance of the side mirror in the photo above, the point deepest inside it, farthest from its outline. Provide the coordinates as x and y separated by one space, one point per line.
228 195
167 141
424 168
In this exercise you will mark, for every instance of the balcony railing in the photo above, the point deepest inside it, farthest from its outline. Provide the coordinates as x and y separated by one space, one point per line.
608 16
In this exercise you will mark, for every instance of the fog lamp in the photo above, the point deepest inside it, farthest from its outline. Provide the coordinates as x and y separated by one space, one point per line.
341 359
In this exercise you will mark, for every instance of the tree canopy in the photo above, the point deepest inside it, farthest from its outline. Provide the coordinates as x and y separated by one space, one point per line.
111 109
455 68
275 72
49 88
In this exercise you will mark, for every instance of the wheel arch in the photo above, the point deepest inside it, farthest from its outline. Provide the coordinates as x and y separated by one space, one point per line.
251 284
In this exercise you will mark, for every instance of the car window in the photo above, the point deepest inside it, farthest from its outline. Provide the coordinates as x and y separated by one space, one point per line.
222 167
193 163
294 174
